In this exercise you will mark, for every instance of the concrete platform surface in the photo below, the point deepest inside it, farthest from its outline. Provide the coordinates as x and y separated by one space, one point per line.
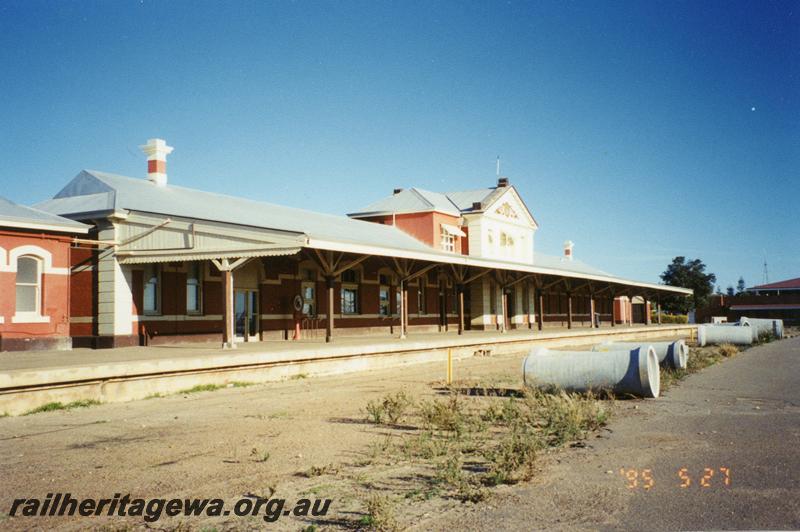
30 379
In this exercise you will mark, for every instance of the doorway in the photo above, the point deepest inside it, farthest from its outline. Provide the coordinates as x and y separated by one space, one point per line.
245 313
511 309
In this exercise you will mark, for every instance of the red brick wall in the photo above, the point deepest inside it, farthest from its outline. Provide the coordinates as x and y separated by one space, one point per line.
54 290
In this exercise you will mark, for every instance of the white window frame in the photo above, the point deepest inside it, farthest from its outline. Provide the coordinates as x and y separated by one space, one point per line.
30 316
199 310
448 241
350 287
157 310
309 303
384 305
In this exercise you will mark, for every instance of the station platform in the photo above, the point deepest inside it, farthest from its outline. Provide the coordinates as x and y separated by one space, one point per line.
31 379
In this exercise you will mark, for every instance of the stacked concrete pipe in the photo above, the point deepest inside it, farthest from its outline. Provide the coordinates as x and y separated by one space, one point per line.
724 334
760 325
673 355
623 371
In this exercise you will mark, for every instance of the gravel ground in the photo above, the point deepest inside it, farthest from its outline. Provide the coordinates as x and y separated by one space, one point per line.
256 440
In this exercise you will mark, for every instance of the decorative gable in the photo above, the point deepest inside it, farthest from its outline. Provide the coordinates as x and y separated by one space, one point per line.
508 211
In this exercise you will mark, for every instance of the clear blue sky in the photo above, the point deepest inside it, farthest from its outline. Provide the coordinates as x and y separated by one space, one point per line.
639 130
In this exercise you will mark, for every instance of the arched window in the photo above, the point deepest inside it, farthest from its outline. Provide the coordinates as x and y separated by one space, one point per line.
29 286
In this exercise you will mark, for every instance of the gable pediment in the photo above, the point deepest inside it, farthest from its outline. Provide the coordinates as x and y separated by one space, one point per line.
509 207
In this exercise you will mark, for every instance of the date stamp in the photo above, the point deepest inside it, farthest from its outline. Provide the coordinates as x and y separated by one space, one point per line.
684 478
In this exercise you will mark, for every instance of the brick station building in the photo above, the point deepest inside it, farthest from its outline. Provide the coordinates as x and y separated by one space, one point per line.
34 278
778 300
169 263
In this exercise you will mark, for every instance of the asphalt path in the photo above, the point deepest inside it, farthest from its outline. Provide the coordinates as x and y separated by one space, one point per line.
720 451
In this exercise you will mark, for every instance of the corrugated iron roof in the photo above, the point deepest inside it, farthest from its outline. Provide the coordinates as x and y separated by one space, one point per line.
409 200
93 192
14 215
420 200
788 284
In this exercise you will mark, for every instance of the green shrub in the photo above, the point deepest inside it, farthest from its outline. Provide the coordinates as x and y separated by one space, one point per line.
392 408
669 318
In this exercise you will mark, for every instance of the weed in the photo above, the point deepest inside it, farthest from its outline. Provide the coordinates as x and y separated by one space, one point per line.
156 395
259 457
318 489
202 388
392 408
299 376
318 471
426 445
728 350
49 407
240 384
380 514
419 494
379 448
447 415
514 457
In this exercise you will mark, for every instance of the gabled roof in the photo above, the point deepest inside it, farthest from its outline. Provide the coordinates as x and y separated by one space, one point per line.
408 201
559 263
464 199
788 284
14 215
93 193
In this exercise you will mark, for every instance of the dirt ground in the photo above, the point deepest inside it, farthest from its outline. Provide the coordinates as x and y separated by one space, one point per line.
265 440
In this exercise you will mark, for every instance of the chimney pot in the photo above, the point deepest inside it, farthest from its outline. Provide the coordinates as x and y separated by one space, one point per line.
502 182
157 151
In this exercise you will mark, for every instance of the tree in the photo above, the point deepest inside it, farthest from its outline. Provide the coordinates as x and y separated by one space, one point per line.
730 290
688 274
740 286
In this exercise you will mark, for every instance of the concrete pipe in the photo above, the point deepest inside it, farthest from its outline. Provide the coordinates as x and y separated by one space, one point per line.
763 325
670 354
633 372
716 334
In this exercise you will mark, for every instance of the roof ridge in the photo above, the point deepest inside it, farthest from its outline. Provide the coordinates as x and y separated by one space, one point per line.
417 192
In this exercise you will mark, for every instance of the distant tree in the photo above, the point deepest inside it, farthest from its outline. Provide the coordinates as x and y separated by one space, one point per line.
688 274
730 291
719 290
740 286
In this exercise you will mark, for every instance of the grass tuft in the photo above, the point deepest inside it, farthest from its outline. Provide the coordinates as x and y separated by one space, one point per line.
50 407
380 514
202 388
389 410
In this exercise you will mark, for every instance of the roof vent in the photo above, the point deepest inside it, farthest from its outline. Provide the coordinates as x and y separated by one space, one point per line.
502 182
568 245
397 191
157 151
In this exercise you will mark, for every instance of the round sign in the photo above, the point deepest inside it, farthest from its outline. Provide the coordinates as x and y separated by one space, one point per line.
298 303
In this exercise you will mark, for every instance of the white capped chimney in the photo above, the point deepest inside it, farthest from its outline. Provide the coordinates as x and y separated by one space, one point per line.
157 151
568 245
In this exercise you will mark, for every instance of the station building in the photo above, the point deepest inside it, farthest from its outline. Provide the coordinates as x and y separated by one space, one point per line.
164 263
35 261
777 300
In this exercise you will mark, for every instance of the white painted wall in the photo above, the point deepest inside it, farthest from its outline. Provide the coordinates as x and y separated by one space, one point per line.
506 218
